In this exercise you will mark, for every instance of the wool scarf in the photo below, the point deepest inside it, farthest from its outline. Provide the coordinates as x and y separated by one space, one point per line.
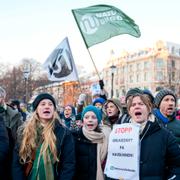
101 138
159 115
42 166
141 125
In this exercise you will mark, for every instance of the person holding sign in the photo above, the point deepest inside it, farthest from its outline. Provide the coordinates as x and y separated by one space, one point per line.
159 153
91 144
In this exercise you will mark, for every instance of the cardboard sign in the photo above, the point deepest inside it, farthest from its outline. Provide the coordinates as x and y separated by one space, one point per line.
123 152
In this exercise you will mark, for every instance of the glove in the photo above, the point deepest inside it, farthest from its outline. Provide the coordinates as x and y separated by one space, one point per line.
81 99
101 84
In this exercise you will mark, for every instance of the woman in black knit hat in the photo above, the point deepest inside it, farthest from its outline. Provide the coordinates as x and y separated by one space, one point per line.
45 149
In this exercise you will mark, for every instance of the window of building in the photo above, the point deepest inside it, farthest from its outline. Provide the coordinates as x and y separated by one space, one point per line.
146 65
173 76
130 67
173 63
138 77
145 76
159 63
131 79
172 49
138 66
159 76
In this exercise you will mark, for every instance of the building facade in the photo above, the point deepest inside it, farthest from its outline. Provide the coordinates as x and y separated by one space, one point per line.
152 68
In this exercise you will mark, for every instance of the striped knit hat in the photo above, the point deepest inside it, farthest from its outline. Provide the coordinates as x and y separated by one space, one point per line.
161 94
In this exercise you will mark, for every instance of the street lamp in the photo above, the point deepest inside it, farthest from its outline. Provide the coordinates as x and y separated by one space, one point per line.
113 68
26 73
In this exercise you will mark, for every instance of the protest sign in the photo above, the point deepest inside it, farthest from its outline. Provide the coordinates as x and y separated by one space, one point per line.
123 152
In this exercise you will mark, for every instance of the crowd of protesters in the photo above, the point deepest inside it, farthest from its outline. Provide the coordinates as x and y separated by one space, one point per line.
73 144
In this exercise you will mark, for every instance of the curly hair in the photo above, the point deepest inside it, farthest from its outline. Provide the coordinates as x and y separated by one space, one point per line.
29 134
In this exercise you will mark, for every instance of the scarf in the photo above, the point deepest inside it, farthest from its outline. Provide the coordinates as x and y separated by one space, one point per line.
159 115
113 119
101 138
42 166
141 125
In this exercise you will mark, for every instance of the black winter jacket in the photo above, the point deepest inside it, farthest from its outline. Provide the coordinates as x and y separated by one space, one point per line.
4 147
159 155
86 157
64 170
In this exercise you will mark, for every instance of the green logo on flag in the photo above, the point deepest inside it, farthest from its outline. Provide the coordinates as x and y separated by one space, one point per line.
101 22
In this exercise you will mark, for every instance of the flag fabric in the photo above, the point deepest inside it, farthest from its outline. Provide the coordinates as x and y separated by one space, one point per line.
101 22
60 64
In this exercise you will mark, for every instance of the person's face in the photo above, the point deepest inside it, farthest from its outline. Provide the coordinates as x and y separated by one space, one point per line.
90 121
67 111
45 110
79 123
138 110
111 109
22 106
167 105
98 105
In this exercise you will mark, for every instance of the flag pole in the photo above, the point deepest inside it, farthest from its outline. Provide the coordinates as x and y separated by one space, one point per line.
94 64
86 44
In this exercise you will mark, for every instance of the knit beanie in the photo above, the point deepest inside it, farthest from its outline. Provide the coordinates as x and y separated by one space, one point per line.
133 91
93 109
150 95
99 100
161 94
40 97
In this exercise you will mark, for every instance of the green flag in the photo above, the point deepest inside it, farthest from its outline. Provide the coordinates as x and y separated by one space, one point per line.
101 22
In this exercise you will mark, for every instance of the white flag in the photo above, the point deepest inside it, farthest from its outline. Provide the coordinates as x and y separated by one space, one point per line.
60 64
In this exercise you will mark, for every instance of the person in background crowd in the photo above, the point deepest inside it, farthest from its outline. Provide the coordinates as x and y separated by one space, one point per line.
68 115
15 103
45 148
79 123
12 118
103 93
99 102
165 112
81 102
23 108
178 114
159 151
91 144
113 111
149 95
178 110
4 149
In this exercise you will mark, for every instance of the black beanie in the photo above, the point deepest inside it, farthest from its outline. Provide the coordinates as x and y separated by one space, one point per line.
40 97
133 91
161 94
150 95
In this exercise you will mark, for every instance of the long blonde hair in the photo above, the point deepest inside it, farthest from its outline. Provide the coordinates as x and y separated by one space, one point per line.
29 134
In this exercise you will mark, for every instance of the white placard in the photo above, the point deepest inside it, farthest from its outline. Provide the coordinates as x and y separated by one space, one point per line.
123 152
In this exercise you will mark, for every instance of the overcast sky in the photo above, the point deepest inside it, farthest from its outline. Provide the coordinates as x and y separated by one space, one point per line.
32 29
